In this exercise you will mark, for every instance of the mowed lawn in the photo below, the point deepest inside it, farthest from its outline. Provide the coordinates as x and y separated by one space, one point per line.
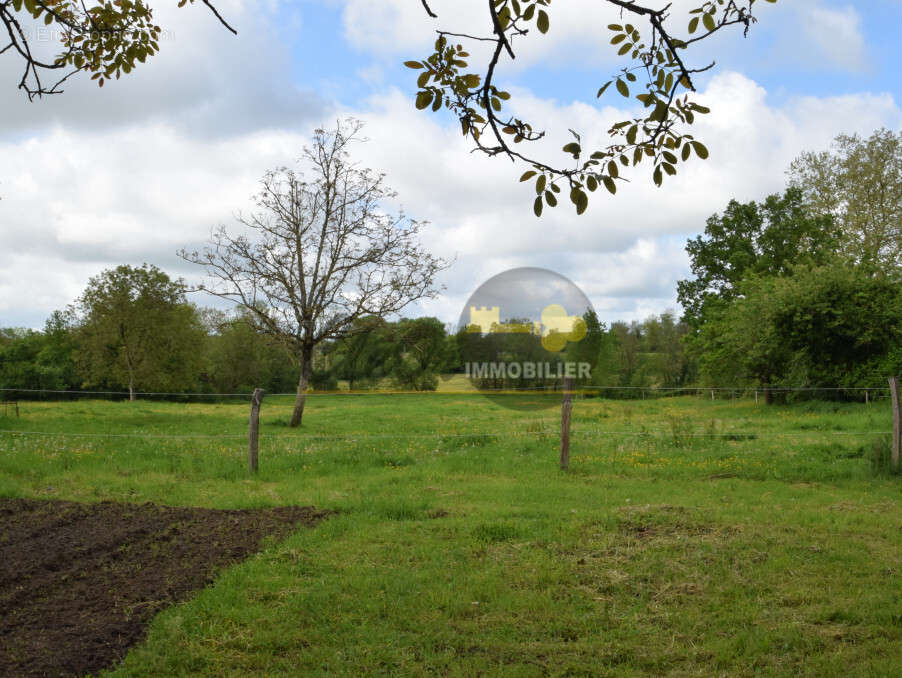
689 538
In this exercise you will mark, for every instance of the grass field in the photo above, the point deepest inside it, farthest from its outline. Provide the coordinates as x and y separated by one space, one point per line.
689 538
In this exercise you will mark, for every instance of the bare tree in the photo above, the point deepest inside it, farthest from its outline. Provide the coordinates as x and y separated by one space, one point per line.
324 253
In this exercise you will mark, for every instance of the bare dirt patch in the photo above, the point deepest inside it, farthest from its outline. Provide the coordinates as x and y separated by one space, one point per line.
79 583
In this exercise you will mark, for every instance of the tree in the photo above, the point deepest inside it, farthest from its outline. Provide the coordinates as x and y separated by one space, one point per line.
364 353
239 359
755 238
108 39
36 360
135 328
859 183
325 253
835 325
421 353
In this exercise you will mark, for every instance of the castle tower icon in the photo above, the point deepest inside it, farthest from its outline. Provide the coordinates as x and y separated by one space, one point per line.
484 317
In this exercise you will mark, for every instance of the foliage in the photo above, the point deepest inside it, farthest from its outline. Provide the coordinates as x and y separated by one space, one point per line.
239 359
104 39
859 182
323 253
363 355
657 57
766 238
38 360
836 325
650 354
135 329
422 353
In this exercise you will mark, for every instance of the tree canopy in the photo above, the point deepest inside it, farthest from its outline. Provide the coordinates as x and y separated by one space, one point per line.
134 328
767 238
859 183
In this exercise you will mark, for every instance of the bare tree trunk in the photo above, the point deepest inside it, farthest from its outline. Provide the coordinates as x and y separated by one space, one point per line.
131 387
301 399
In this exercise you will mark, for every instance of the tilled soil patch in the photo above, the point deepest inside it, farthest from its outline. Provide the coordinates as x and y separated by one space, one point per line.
79 583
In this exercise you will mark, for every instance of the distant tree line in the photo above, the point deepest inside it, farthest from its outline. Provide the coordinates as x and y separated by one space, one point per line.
133 331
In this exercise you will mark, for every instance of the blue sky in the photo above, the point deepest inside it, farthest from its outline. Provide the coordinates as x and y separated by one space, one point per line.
148 165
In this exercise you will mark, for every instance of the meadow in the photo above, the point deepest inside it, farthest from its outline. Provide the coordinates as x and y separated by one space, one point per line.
690 537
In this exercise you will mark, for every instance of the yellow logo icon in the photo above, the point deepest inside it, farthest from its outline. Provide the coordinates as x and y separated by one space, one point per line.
556 327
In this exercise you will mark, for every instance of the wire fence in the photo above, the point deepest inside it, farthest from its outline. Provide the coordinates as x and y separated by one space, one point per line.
853 393
533 428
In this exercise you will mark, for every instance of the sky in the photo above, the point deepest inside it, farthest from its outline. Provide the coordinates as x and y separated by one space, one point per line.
150 164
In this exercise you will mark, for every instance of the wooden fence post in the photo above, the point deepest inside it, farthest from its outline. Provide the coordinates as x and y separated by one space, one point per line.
897 419
253 429
566 407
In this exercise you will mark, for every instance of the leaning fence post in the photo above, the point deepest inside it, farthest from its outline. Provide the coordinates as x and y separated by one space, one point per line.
897 419
253 429
566 407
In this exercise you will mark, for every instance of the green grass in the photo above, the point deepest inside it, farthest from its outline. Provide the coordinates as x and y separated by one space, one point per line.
689 538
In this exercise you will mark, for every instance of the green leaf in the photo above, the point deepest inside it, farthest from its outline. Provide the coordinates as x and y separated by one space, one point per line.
540 184
693 24
537 206
657 176
591 183
528 175
623 88
413 64
660 112
603 88
542 21
687 149
631 134
700 150
610 184
708 20
573 148
424 98
550 199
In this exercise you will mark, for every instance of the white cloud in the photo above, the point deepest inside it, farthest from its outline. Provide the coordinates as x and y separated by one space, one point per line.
837 35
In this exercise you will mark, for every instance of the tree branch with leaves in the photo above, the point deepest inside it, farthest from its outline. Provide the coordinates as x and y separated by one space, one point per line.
658 66
103 39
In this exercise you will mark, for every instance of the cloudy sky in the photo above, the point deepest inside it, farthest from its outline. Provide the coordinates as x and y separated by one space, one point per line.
149 164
